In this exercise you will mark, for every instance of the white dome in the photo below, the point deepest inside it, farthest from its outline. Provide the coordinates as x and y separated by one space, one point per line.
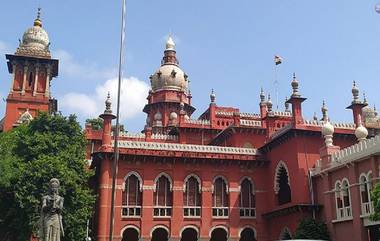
361 132
173 116
35 41
169 76
187 117
158 116
327 129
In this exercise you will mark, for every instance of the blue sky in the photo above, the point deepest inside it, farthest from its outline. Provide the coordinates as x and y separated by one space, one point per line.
225 45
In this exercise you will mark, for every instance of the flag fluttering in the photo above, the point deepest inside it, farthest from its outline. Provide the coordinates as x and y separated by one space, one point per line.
277 59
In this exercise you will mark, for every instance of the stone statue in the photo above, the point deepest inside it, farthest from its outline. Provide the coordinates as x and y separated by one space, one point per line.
51 226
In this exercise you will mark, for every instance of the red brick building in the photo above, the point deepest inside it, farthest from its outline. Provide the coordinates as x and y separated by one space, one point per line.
225 175
32 70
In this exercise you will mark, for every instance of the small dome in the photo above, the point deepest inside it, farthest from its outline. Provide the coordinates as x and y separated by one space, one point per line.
361 132
169 77
35 41
187 117
173 116
327 129
158 116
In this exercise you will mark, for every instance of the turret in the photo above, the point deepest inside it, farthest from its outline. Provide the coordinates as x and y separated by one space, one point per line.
356 105
296 100
107 117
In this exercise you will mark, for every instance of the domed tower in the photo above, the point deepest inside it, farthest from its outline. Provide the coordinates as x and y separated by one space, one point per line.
169 94
32 69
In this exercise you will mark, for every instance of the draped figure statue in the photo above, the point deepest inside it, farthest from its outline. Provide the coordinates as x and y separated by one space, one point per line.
51 227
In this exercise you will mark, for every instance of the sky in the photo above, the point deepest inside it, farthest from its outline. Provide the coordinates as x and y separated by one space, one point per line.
223 45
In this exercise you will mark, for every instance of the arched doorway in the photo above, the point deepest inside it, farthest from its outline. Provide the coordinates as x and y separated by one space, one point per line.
160 234
219 234
189 234
130 234
247 234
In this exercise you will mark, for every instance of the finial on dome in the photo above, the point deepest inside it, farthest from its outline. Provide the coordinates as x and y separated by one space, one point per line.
262 95
37 21
170 45
295 85
108 103
361 132
269 104
286 105
315 117
364 98
324 110
355 93
212 96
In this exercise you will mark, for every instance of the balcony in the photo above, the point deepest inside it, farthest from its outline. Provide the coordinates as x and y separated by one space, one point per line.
247 212
131 211
367 209
220 212
192 211
162 211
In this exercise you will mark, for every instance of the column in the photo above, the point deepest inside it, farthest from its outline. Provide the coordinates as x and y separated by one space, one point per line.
177 215
104 198
36 80
24 79
47 87
13 75
234 212
206 211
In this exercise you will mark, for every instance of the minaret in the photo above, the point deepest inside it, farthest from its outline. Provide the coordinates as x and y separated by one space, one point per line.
296 100
356 105
32 70
169 90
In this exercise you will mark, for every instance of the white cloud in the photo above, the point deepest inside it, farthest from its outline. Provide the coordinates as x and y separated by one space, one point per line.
72 68
132 99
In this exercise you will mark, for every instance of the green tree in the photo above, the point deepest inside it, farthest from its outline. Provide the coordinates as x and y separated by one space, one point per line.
30 155
310 228
96 123
375 197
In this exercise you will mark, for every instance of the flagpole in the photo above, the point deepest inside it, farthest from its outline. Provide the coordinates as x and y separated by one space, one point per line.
117 129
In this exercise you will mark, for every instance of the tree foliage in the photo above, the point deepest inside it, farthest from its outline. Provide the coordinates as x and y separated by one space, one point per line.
375 197
96 123
310 228
30 155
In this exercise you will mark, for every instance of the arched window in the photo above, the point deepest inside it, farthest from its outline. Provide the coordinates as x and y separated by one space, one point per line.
220 198
132 194
247 199
365 194
163 196
282 185
192 197
343 199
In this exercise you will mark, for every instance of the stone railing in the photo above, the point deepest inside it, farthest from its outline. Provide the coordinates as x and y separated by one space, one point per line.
198 122
186 147
282 113
131 135
339 125
165 137
249 115
250 122
224 113
352 153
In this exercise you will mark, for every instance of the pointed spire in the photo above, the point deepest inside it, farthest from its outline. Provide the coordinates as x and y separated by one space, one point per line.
364 98
37 21
355 93
212 96
295 85
108 103
315 117
286 105
324 110
269 104
170 45
262 95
